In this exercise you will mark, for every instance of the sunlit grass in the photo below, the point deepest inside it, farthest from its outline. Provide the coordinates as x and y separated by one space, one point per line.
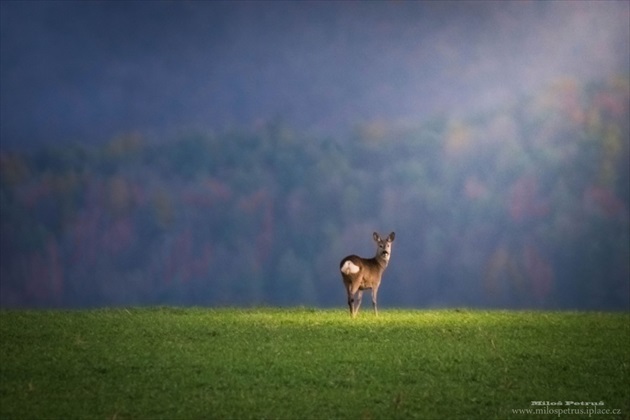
306 363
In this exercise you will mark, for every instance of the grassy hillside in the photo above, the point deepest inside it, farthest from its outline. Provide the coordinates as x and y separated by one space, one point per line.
301 363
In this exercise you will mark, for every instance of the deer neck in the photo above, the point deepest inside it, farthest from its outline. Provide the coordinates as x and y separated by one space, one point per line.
382 261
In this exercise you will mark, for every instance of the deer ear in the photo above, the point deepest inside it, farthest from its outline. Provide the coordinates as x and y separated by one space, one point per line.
391 237
376 237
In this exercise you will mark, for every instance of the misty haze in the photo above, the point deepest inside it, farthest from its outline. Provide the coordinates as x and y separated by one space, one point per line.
228 153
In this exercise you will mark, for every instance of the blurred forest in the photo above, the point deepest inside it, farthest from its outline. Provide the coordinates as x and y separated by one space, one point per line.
524 206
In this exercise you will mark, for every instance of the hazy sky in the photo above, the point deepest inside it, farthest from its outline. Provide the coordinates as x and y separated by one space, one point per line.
87 71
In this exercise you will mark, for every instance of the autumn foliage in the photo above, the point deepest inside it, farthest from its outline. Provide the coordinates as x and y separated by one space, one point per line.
522 207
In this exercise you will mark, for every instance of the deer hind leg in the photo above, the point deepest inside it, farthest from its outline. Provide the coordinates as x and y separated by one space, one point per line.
358 304
352 291
351 300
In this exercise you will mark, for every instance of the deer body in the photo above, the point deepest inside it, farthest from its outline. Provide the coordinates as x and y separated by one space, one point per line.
359 274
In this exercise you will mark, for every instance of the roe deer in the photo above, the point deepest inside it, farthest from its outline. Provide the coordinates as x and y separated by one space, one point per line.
360 273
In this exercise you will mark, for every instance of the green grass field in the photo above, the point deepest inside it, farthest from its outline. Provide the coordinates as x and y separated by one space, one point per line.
302 363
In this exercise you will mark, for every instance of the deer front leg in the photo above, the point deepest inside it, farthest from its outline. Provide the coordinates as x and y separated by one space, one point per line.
374 293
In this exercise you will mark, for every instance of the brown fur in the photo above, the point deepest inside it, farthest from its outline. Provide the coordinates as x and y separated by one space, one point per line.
369 274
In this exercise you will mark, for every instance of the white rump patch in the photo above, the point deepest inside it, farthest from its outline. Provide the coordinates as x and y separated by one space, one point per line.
349 268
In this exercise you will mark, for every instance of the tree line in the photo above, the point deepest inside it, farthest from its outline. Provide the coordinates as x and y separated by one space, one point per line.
524 206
